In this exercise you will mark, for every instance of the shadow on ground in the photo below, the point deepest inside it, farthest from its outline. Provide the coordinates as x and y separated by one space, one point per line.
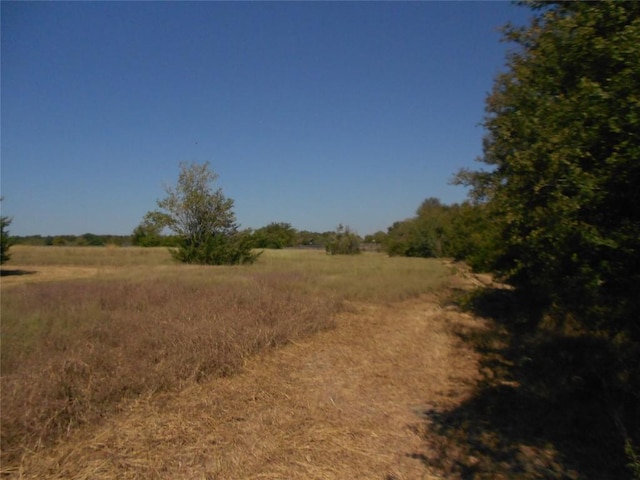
15 272
544 408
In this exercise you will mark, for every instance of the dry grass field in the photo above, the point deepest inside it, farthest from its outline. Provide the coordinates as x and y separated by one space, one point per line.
119 363
86 330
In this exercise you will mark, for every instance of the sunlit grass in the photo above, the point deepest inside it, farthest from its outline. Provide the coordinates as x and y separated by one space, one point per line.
88 256
369 276
136 322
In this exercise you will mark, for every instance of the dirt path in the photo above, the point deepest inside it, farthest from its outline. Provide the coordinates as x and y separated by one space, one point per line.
343 404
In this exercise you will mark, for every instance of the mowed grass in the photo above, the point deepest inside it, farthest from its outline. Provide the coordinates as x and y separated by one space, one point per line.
73 350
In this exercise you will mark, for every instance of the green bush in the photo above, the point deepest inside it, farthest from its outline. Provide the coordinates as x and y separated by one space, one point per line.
275 235
202 219
217 250
343 242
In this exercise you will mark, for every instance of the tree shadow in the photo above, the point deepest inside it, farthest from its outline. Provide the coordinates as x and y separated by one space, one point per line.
15 272
545 407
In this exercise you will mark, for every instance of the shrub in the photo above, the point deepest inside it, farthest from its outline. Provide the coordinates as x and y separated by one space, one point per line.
343 242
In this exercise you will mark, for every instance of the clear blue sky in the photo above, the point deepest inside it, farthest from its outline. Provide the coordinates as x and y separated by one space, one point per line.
311 113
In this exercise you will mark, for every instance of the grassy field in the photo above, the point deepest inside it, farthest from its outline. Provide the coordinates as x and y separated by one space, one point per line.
85 328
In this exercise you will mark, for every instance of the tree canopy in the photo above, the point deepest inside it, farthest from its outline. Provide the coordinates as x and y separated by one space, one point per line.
562 144
202 218
560 187
275 235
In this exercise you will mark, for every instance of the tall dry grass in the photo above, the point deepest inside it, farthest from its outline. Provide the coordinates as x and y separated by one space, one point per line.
73 350
24 255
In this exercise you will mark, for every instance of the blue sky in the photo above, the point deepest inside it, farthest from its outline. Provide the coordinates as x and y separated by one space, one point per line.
311 113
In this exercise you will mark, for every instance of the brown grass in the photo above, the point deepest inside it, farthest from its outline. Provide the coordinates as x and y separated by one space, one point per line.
88 256
84 329
343 404
72 351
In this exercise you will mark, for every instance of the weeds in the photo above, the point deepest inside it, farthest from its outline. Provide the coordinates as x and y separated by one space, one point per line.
73 350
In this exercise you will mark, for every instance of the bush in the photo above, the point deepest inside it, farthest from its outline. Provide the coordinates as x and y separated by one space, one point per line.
343 242
5 241
217 250
202 219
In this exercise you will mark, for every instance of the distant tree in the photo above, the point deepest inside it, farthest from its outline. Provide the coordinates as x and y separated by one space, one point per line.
313 239
428 234
149 232
343 242
91 240
59 242
472 236
378 238
275 235
5 240
203 220
406 239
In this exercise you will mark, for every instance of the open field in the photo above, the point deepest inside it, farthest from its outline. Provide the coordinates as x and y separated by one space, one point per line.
119 363
370 276
85 329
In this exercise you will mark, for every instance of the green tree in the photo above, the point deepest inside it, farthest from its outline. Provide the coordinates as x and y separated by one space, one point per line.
5 240
425 235
563 143
472 236
343 242
203 220
406 238
378 237
561 191
149 232
275 235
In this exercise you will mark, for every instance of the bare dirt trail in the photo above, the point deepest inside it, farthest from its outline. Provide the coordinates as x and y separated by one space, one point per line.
342 404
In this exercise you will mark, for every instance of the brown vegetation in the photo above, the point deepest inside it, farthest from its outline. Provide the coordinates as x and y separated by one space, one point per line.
127 374
130 325
343 404
73 350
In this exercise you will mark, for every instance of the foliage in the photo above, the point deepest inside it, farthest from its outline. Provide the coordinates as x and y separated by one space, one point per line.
634 460
203 220
428 234
472 236
343 242
90 240
5 240
407 239
72 240
218 249
379 238
313 239
149 232
561 195
563 145
275 235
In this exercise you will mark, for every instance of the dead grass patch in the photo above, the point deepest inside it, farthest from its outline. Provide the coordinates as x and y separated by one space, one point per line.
94 330
343 404
73 350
